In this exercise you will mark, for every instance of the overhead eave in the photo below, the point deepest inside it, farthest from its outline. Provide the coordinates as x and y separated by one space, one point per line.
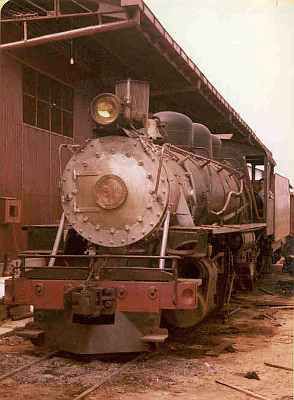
139 30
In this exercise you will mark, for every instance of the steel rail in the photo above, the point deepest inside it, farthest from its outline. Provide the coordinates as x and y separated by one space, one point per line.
28 365
71 34
108 377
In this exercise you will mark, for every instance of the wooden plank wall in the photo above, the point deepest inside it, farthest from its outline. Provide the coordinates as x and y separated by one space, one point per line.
29 167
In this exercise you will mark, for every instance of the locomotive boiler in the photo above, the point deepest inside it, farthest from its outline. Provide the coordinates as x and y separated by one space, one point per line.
158 228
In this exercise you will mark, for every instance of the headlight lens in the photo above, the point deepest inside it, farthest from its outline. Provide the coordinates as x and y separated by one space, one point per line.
105 109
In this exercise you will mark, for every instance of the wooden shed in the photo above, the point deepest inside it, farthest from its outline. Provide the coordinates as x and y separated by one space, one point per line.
55 56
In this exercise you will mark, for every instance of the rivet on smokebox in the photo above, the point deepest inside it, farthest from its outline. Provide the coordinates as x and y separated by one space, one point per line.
75 191
97 227
140 219
127 228
140 162
85 219
97 155
112 231
85 164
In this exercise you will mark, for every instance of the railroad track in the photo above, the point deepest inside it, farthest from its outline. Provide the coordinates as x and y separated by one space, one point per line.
115 371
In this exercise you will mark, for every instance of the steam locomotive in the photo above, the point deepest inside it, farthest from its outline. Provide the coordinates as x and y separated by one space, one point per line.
158 230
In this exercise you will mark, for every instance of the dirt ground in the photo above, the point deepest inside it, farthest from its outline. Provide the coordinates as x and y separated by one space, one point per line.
186 367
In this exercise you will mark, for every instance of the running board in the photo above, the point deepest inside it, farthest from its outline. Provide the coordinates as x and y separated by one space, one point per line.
29 333
156 338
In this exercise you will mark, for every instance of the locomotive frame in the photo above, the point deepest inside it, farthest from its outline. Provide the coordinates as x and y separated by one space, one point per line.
89 303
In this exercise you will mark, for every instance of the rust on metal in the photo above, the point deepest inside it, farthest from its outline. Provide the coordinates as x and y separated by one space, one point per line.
49 295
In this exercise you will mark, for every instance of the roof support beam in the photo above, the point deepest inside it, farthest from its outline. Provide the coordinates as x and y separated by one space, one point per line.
81 5
59 16
72 34
37 6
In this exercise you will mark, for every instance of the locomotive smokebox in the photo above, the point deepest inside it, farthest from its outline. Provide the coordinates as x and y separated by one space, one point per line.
108 191
178 127
135 97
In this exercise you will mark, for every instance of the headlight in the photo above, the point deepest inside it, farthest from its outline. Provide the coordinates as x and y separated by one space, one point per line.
105 109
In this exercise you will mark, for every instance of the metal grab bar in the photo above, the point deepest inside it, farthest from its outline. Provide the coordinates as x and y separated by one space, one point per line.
164 241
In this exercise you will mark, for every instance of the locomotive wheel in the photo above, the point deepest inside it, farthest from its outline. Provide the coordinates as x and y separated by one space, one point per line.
187 318
206 270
